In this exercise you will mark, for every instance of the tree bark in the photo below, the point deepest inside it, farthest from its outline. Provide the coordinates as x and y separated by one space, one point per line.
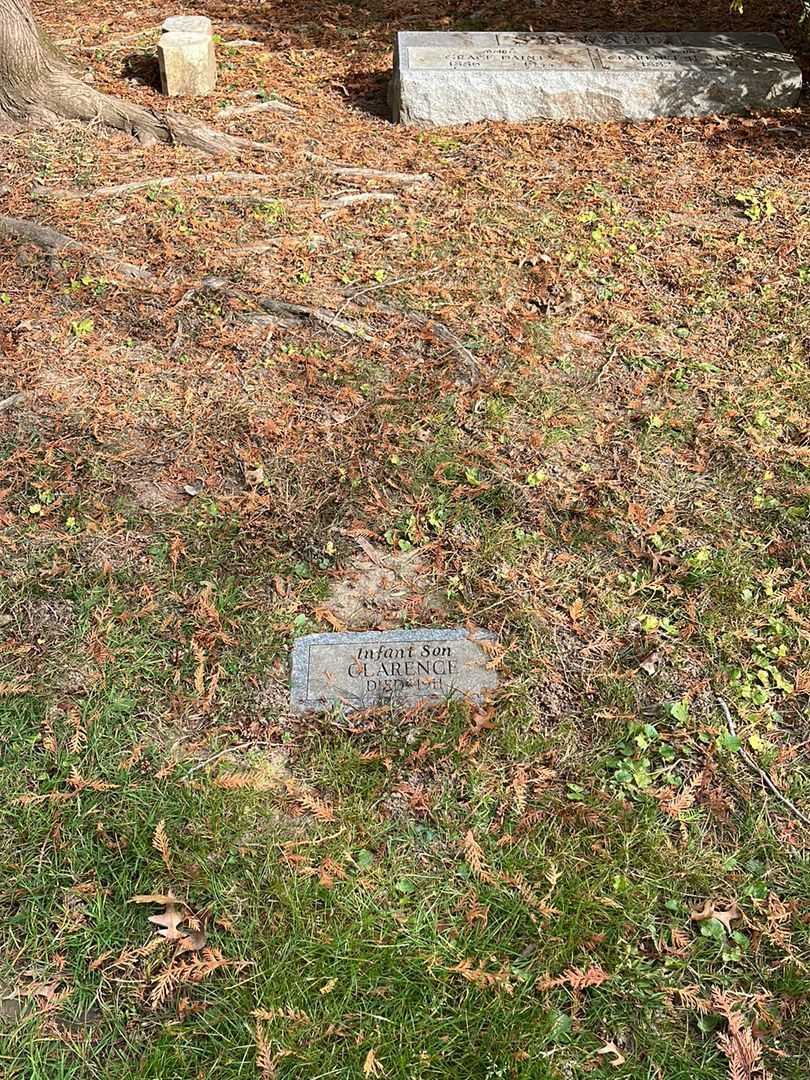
38 85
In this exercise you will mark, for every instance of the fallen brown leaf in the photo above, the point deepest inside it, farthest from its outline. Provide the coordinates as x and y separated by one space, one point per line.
192 938
192 942
168 921
726 916
612 1051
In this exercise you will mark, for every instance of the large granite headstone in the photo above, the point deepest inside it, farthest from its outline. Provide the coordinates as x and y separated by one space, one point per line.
395 667
458 78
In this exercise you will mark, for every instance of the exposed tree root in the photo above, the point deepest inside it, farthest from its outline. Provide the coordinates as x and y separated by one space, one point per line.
52 241
273 312
153 183
350 172
12 401
37 85
58 95
283 313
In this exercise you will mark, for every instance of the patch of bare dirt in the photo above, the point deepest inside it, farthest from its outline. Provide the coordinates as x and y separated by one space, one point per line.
383 588
155 495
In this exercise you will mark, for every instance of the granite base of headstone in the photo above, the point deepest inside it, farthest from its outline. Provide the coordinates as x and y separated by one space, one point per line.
188 66
459 78
400 668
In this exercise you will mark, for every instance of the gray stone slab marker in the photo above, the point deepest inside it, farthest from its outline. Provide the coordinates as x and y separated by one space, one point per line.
395 667
458 78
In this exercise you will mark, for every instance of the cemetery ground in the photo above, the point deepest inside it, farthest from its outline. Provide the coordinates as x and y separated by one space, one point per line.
546 380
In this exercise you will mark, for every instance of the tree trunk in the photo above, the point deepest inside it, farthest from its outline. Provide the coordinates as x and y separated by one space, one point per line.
38 85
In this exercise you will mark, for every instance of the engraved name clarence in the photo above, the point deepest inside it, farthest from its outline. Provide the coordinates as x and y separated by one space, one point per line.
390 668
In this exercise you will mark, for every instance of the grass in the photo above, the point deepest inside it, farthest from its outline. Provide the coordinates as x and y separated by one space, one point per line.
483 893
456 870
352 934
390 932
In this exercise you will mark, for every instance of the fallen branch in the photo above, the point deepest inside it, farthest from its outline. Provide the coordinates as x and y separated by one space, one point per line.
52 241
8 403
752 765
334 206
230 111
357 172
156 183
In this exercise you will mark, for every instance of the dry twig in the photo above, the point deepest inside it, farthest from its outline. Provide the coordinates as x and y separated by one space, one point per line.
752 765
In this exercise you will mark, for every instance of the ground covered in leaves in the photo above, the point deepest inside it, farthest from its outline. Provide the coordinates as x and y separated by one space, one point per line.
549 380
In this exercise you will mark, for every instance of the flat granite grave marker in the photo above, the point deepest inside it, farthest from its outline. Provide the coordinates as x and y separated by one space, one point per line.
459 78
393 667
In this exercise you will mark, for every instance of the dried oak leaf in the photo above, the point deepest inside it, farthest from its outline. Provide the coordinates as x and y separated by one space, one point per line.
169 921
192 941
726 916
612 1051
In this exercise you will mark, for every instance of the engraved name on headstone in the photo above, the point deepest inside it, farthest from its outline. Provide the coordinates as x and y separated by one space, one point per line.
455 78
396 667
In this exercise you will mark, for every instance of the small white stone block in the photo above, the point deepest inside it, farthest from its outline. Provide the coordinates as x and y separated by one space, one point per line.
188 67
187 24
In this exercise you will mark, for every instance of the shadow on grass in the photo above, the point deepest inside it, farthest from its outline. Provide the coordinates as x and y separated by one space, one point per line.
364 34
